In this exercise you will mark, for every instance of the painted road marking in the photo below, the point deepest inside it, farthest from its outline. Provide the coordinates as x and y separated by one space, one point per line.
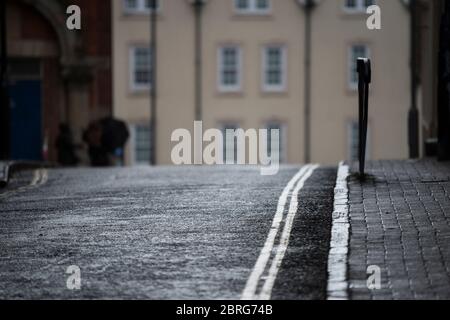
258 269
36 177
40 177
250 290
337 287
266 291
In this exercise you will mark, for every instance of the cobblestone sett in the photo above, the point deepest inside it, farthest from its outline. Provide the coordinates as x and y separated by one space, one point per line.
400 222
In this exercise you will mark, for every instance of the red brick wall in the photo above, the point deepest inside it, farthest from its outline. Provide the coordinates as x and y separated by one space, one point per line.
96 42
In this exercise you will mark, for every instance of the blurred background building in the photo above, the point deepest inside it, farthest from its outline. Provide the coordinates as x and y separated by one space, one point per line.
56 75
264 64
286 64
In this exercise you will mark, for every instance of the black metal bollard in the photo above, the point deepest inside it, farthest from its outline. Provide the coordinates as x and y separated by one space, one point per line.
365 78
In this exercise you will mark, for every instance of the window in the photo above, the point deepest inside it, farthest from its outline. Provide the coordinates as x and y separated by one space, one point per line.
141 144
355 52
277 146
139 6
353 142
274 69
141 71
230 144
252 6
357 5
230 69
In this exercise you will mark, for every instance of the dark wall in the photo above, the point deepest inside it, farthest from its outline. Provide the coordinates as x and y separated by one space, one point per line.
444 86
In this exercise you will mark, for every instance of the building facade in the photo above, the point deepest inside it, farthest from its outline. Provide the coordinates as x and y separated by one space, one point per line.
253 58
431 83
56 75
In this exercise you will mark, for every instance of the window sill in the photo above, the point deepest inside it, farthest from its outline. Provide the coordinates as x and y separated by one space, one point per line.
274 94
230 94
252 16
353 14
267 91
139 15
354 92
139 92
352 89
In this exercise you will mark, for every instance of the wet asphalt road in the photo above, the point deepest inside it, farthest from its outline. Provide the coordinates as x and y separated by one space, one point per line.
160 233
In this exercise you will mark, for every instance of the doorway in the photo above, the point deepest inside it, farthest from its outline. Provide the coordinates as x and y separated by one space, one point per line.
26 110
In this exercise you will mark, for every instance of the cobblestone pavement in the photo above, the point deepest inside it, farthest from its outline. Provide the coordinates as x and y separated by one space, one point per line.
400 222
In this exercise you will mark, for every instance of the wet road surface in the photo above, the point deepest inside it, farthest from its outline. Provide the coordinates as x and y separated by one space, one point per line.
160 233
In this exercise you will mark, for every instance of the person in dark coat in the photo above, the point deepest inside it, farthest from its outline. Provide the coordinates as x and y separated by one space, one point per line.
97 152
66 147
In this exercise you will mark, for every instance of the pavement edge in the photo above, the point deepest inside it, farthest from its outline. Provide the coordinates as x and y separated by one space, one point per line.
10 168
337 286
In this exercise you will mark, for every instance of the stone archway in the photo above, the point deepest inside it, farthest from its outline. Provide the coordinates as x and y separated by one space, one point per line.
69 41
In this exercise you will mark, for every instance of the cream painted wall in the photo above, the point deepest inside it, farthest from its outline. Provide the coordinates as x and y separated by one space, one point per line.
333 105
253 108
175 70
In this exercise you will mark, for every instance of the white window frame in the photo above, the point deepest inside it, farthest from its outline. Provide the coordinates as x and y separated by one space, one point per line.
141 8
283 138
133 156
359 8
252 9
229 125
350 141
132 66
353 86
220 66
280 87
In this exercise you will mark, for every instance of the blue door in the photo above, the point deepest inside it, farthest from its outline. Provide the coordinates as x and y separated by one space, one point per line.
26 126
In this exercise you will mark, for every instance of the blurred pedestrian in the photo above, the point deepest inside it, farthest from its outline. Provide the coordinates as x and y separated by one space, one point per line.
115 135
66 147
106 139
98 154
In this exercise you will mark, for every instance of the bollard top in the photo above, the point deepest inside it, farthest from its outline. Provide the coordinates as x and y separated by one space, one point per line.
364 68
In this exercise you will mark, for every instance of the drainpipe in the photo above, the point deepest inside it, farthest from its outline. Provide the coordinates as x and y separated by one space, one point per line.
153 88
413 115
308 7
198 8
4 97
